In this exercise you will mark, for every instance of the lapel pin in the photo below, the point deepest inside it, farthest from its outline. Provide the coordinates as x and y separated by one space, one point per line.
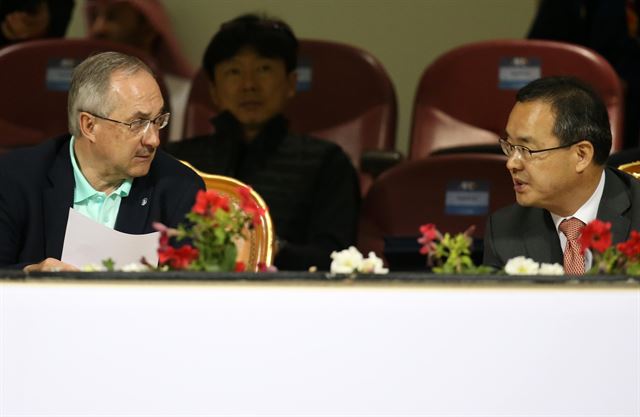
144 201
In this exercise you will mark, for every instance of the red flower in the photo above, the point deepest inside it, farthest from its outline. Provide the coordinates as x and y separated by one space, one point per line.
177 258
249 206
596 236
207 202
240 266
164 239
429 235
630 248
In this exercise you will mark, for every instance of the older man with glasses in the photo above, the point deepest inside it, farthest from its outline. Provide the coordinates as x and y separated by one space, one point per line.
558 140
110 169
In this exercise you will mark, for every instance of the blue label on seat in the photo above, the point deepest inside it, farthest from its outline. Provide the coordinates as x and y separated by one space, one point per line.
516 72
59 72
305 75
467 198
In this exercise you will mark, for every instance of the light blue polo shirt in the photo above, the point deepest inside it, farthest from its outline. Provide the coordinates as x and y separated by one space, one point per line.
96 205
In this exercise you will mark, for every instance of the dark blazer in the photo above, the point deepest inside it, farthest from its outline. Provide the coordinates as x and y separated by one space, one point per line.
36 191
529 231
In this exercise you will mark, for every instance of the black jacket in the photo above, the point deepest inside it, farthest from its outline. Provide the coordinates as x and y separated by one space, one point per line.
310 186
36 191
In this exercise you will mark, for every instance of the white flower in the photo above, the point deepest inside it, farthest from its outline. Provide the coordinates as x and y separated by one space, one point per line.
372 265
346 261
93 268
551 269
134 267
521 266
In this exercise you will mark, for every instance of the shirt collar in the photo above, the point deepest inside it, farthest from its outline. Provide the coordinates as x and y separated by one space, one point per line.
83 190
589 210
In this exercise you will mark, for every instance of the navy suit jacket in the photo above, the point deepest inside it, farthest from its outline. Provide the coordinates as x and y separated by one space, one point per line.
529 231
36 192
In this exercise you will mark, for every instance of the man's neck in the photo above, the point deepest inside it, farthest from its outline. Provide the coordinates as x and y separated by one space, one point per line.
582 193
91 169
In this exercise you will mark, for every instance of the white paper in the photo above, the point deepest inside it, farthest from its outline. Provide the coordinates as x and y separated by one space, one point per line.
89 242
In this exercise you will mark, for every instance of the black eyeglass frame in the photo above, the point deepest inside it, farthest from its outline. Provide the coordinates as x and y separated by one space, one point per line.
505 144
131 125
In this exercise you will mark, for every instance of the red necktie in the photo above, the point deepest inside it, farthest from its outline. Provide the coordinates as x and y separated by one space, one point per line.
573 259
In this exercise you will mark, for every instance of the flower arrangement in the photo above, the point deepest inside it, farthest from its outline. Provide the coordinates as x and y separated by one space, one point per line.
449 254
213 227
350 261
622 258
521 265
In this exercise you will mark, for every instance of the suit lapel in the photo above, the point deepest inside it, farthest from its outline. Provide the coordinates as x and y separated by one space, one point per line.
134 209
541 239
614 204
57 199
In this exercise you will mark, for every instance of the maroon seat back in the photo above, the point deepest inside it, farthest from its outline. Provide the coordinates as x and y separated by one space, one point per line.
464 97
34 79
452 191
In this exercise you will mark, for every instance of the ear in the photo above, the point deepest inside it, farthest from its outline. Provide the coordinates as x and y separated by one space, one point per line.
584 155
87 126
292 83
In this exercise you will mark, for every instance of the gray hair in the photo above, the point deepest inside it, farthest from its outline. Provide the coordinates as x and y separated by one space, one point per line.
91 84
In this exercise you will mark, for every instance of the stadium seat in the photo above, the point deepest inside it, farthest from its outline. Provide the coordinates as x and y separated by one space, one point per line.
452 191
34 79
465 96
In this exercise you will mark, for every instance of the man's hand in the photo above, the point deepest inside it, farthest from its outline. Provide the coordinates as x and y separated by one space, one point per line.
50 265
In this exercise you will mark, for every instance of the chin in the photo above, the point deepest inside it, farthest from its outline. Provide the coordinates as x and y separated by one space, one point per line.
252 122
139 171
524 202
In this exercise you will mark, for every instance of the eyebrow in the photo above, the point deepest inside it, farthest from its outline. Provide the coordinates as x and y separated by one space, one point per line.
142 115
526 140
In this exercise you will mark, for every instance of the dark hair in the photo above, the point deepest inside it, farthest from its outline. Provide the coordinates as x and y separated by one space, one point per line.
580 113
268 37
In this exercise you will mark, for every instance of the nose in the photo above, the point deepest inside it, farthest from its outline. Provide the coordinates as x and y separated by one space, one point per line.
248 81
151 136
514 162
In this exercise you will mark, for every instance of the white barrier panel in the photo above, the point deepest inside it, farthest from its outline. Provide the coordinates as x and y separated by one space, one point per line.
74 349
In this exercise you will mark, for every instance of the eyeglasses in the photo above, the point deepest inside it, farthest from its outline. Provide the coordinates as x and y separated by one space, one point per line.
509 149
140 125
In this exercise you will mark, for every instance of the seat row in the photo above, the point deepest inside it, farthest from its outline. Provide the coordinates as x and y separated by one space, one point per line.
344 95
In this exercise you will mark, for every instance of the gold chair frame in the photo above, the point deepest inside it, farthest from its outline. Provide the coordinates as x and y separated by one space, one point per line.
632 168
262 236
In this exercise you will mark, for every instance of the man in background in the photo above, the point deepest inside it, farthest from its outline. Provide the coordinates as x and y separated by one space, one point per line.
145 25
611 28
109 169
22 20
309 184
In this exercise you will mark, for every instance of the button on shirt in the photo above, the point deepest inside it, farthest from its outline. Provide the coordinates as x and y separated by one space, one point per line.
586 213
96 205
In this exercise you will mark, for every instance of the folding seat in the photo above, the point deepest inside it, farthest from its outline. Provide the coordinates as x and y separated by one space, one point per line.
464 97
452 191
34 79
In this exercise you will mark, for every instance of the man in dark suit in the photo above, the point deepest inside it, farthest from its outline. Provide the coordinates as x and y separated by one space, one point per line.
109 169
558 139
